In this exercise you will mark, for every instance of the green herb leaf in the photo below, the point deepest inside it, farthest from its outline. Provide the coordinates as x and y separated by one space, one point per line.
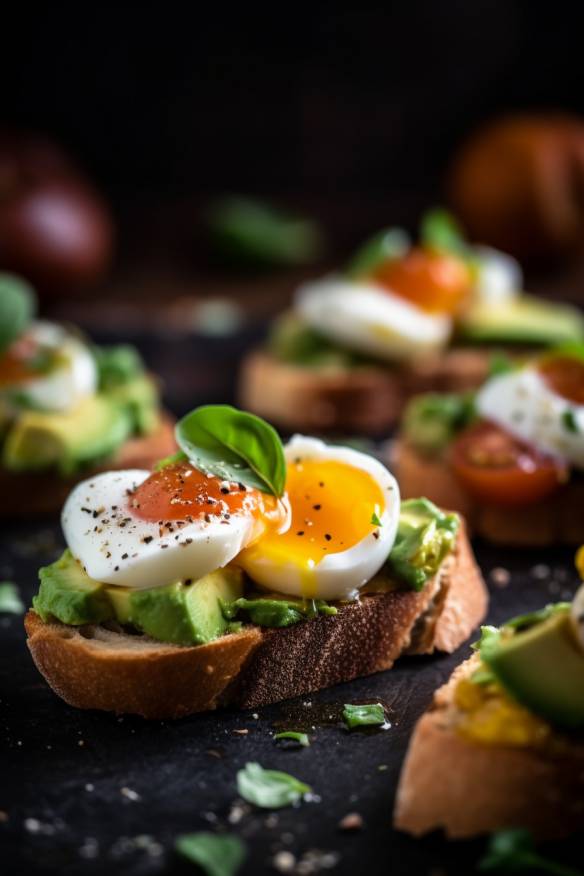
117 365
269 789
244 231
440 230
570 422
301 738
386 245
17 308
220 440
513 851
375 519
368 714
215 854
173 459
10 600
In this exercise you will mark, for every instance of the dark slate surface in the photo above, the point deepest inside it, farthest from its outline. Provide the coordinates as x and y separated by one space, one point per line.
89 793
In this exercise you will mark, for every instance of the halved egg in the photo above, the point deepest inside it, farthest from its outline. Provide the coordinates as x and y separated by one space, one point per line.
371 319
542 404
344 514
48 368
140 529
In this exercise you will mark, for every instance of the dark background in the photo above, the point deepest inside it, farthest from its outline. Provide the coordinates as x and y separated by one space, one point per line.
352 109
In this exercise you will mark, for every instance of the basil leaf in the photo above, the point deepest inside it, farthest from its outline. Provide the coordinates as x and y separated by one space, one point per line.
179 456
215 854
569 421
17 308
301 738
220 440
367 715
513 851
10 601
440 230
269 789
245 231
117 365
386 245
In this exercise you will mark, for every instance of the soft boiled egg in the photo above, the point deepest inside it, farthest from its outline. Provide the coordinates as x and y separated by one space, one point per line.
48 368
344 515
542 404
371 319
141 529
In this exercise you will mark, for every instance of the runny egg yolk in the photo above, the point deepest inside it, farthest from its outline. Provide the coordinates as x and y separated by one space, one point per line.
332 508
181 492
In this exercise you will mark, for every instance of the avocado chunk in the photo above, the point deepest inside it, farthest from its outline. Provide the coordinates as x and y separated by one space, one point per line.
523 320
68 594
273 611
94 429
425 536
184 614
432 420
139 397
291 340
542 667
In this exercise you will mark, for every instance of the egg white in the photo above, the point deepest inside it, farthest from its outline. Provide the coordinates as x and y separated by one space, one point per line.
65 386
499 276
338 575
523 404
109 542
369 319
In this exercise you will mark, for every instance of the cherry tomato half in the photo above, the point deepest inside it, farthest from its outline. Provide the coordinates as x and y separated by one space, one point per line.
497 468
565 376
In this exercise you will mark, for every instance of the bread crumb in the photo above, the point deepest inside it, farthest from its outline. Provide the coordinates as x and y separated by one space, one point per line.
500 577
284 862
351 821
242 732
89 786
540 571
129 794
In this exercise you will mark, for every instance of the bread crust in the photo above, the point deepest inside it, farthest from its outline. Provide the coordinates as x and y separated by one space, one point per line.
464 788
93 667
556 520
31 494
366 399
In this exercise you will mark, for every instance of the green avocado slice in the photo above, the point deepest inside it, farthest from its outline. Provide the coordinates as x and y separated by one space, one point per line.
523 320
542 667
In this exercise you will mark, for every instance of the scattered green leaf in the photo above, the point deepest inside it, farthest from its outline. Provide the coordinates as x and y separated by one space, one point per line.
215 854
513 851
375 521
440 230
244 231
368 714
269 789
570 422
386 245
220 440
10 601
301 738
17 308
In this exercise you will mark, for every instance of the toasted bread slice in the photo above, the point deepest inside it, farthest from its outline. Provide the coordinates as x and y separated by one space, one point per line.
30 494
366 399
464 788
103 667
555 520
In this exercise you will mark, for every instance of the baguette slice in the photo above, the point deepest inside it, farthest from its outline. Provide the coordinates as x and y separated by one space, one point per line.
30 494
555 520
101 667
464 788
367 399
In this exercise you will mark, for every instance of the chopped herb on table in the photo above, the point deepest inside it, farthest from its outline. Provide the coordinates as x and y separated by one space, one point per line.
10 601
215 854
301 738
513 851
366 715
269 789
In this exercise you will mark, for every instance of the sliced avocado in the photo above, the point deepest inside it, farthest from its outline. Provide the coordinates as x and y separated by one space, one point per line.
184 614
140 397
522 320
68 594
425 536
542 668
274 611
95 428
291 340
